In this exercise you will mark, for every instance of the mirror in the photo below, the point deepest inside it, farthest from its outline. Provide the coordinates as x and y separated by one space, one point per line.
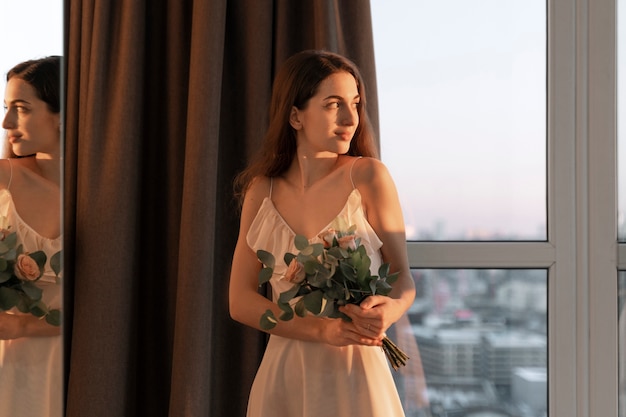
31 354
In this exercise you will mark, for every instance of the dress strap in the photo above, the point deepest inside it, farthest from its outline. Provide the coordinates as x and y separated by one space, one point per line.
351 167
10 174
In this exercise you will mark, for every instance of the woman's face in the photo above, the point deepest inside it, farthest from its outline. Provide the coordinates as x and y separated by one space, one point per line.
31 126
329 119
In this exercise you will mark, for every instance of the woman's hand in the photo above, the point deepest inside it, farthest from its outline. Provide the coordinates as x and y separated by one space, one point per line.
339 332
14 326
374 315
11 326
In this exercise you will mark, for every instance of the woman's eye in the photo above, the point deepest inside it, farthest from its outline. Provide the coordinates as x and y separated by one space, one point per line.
333 105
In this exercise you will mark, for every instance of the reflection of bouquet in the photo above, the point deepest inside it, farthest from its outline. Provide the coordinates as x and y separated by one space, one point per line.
328 275
19 271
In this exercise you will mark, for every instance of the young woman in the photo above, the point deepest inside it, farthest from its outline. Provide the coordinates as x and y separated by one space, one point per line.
318 164
30 349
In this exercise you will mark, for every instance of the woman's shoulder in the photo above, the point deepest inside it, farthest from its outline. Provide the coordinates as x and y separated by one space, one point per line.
256 193
259 189
369 172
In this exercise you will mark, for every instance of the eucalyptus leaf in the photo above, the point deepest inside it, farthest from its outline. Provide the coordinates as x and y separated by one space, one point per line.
11 240
347 271
319 276
338 252
55 263
313 301
32 291
265 274
373 287
383 287
317 249
11 255
286 296
300 308
308 251
363 269
8 244
3 265
288 258
39 257
301 242
23 303
54 317
336 292
310 266
38 309
383 270
391 278
5 276
268 320
287 313
8 298
266 258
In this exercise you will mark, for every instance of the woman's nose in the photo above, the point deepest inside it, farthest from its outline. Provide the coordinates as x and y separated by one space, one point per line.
350 116
7 121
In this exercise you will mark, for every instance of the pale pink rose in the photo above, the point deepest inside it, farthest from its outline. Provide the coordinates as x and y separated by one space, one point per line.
327 237
295 272
26 268
347 242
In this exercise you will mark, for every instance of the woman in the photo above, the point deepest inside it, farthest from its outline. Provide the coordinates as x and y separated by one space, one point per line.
30 348
317 165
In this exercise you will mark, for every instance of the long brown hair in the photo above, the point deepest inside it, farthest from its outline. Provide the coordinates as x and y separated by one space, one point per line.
296 82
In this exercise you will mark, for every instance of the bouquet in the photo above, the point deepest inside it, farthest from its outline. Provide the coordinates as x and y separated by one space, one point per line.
328 275
19 271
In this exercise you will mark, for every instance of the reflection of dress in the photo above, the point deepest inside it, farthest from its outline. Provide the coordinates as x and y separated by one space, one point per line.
307 379
30 368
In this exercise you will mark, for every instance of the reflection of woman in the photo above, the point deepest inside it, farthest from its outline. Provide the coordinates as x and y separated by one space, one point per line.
315 167
30 348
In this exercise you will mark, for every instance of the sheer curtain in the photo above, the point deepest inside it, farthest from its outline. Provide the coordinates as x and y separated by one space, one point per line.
165 102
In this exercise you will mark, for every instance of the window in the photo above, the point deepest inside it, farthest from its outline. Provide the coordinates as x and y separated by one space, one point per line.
481 84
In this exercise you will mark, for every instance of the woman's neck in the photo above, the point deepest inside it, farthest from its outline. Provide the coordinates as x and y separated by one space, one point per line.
306 171
46 166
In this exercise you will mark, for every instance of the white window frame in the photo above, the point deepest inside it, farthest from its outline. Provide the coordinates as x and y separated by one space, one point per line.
581 253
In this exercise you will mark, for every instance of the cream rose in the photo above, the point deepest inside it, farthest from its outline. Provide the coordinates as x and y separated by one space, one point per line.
347 242
327 237
295 272
26 268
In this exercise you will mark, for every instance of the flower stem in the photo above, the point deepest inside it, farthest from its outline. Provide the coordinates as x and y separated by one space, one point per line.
395 355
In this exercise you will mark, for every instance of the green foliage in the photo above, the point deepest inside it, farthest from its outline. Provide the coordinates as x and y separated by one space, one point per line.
268 320
24 294
334 276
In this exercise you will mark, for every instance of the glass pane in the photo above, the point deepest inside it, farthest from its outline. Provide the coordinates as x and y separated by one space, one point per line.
462 106
622 343
477 341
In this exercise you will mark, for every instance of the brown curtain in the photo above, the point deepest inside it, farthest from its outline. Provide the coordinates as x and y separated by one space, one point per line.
165 102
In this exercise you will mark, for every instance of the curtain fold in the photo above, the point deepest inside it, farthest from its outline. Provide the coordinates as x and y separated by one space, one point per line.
166 101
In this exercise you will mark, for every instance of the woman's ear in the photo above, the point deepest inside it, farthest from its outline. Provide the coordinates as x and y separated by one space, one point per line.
294 118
